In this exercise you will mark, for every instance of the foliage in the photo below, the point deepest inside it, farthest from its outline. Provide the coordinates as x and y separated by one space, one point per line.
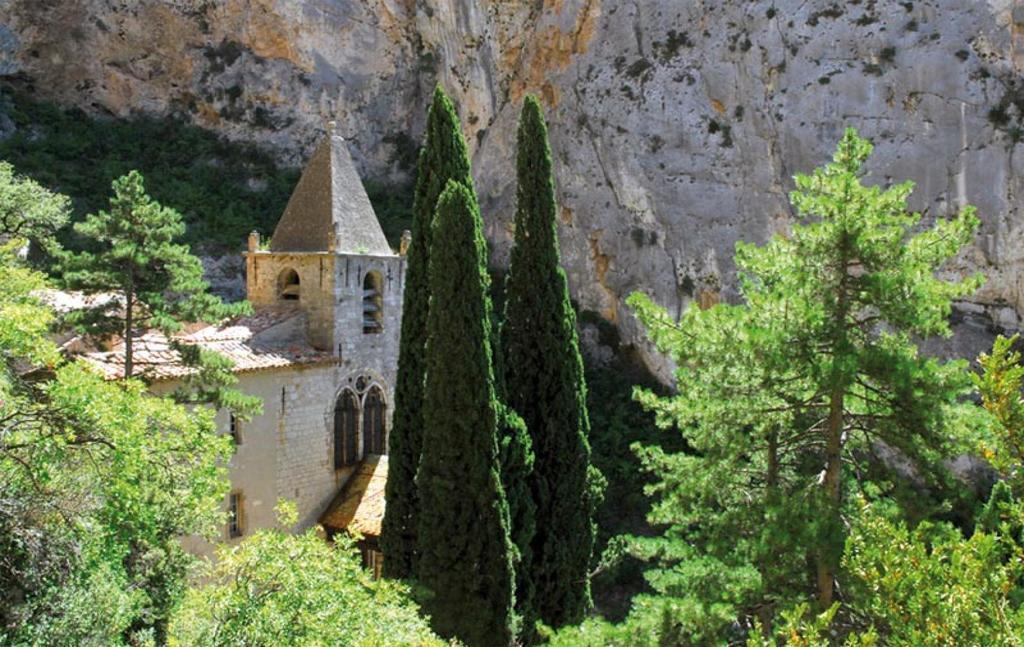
799 627
224 189
443 157
931 586
466 555
999 385
212 381
544 383
617 421
275 588
516 458
156 283
29 211
816 369
98 481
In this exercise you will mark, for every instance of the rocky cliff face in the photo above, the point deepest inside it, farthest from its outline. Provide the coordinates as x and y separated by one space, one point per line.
676 124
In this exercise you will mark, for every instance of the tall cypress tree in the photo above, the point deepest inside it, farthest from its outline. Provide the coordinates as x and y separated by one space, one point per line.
444 157
516 454
544 383
465 551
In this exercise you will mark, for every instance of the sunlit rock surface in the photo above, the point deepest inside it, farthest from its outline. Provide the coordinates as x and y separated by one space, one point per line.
676 124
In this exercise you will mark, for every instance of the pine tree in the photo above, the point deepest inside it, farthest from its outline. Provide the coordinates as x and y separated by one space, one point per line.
158 283
544 383
466 555
783 399
444 157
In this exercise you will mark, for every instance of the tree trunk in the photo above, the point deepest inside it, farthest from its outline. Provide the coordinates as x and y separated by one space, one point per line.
128 324
834 425
765 612
830 482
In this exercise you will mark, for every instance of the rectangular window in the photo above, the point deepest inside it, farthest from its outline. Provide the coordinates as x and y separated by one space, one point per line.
235 427
374 561
236 515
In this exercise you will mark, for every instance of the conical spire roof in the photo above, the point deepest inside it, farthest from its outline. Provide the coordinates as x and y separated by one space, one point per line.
329 209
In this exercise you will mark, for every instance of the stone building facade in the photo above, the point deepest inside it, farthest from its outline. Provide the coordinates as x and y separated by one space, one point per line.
320 349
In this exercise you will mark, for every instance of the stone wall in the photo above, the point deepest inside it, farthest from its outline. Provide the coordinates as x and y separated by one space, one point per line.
288 451
376 351
264 271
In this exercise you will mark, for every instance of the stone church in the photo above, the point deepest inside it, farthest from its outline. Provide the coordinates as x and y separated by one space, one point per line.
320 349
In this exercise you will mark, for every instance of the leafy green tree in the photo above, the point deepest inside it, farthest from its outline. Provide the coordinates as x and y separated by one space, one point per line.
931 586
544 383
466 555
815 370
29 211
98 482
157 284
276 588
212 381
444 157
999 385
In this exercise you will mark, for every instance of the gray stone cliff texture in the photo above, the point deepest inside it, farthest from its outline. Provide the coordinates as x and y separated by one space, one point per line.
676 124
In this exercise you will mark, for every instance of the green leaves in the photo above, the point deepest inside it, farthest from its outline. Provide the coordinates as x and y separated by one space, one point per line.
29 211
813 372
444 157
932 586
544 383
157 282
466 552
279 589
98 483
1000 383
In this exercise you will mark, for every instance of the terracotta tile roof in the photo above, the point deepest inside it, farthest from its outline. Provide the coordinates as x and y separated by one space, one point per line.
64 301
154 358
359 506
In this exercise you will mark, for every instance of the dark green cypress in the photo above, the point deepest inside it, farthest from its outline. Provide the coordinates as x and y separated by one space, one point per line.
544 383
516 453
466 555
444 157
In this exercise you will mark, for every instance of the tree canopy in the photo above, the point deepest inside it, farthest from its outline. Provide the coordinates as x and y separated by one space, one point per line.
444 157
98 481
276 588
544 383
466 554
791 397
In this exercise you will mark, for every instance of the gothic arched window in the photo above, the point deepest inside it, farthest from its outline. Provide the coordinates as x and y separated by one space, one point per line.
373 304
346 417
374 411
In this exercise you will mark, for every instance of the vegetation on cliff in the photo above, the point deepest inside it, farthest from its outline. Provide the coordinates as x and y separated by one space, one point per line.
223 189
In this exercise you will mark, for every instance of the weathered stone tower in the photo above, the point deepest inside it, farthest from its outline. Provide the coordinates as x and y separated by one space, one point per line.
329 259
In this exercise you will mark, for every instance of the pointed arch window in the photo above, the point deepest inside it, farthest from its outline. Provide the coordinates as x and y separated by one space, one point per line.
374 414
373 304
346 417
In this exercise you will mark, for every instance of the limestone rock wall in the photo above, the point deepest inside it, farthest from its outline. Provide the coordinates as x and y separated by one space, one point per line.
676 124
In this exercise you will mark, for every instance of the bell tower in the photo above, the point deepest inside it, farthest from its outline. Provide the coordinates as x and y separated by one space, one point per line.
329 259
